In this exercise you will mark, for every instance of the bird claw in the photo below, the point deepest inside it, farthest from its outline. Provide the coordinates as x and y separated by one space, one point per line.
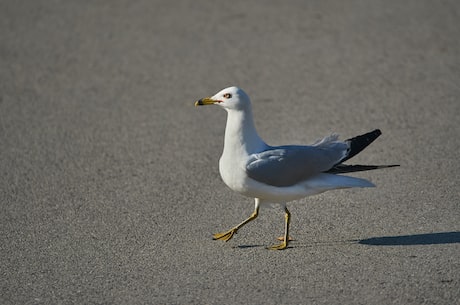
281 246
225 236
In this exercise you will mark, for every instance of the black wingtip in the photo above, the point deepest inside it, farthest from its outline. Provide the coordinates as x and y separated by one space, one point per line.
358 143
343 168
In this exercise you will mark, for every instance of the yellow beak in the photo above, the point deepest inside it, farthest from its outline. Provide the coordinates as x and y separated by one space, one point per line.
205 101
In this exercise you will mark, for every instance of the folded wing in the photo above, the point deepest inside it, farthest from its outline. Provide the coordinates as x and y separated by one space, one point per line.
288 165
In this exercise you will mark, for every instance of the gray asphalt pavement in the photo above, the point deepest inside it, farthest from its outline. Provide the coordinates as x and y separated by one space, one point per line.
109 180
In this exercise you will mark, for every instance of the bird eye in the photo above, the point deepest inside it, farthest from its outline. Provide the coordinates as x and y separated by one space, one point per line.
227 95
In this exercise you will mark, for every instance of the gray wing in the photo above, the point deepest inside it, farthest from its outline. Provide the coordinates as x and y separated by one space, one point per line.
289 165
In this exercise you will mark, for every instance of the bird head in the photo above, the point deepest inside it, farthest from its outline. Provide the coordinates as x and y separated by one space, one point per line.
231 98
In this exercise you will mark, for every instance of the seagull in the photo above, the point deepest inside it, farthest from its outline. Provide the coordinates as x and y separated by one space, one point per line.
280 174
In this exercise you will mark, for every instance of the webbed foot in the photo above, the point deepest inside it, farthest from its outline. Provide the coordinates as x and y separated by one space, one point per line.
225 236
281 246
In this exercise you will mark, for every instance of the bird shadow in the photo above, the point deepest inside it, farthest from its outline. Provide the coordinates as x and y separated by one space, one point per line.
401 240
248 246
412 240
256 246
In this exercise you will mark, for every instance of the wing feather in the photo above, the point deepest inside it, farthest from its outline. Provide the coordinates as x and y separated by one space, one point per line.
288 165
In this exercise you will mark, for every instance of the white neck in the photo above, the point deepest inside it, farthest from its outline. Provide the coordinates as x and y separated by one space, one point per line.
241 137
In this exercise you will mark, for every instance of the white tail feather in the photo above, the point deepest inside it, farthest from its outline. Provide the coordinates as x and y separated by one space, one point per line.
324 182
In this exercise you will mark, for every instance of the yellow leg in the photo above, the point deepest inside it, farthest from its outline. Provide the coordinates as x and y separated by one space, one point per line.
226 236
284 244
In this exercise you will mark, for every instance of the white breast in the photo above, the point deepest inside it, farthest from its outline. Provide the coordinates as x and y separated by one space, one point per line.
233 173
